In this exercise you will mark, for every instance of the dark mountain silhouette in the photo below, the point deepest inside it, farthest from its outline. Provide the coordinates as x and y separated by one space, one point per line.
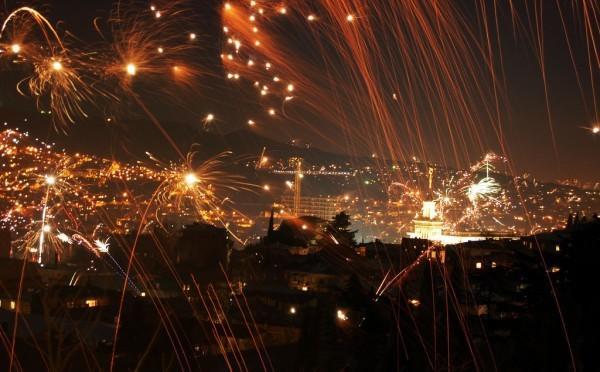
127 140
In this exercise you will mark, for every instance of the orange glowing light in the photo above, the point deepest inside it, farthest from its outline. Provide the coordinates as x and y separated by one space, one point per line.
190 179
57 66
131 69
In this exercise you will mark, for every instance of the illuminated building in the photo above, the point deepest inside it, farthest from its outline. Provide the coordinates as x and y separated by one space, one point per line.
297 162
322 207
428 225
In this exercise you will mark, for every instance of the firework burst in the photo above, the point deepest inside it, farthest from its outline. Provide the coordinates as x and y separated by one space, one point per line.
136 46
57 76
189 186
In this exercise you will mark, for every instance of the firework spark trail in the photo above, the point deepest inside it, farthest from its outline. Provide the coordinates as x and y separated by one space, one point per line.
592 34
39 19
178 279
186 185
135 46
247 324
397 315
415 324
244 27
222 318
57 71
132 263
434 316
351 29
16 318
483 189
166 322
480 320
449 289
100 250
213 323
133 39
159 306
398 278
61 188
43 228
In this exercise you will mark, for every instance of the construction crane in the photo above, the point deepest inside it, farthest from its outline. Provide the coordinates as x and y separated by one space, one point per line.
297 185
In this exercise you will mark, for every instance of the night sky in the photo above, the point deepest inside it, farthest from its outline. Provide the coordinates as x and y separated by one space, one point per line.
526 129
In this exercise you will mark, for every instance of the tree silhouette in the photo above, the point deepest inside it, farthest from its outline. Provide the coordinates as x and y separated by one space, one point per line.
570 221
340 224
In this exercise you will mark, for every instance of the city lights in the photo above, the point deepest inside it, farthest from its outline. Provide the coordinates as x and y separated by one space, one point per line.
300 173
225 183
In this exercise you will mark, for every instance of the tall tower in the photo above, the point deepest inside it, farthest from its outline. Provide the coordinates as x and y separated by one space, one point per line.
428 225
298 186
271 229
428 211
430 172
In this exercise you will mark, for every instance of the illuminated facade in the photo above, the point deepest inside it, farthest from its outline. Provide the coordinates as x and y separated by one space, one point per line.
428 229
428 225
322 207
